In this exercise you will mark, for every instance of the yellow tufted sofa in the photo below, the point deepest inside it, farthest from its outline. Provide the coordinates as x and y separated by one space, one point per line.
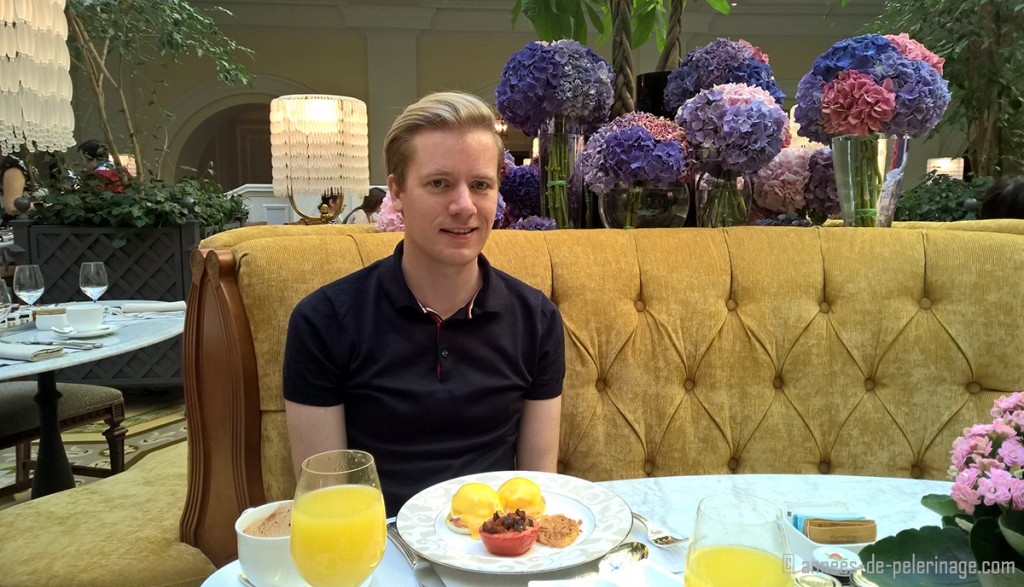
688 351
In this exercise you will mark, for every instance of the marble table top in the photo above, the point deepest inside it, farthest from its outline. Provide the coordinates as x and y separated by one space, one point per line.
133 333
895 504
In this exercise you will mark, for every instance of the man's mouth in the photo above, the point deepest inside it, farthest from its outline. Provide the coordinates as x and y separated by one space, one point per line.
459 231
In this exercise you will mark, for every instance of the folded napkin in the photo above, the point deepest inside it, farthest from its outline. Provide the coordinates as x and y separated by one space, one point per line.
133 307
29 352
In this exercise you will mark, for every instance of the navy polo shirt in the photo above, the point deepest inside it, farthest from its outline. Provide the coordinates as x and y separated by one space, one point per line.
429 399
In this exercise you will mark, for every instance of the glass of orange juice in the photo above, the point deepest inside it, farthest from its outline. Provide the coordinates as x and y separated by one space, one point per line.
738 541
338 519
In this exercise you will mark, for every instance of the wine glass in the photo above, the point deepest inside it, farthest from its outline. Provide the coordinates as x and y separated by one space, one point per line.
28 283
338 519
5 305
92 280
738 541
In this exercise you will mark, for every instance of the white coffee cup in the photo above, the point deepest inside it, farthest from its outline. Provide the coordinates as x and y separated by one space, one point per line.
266 561
85 317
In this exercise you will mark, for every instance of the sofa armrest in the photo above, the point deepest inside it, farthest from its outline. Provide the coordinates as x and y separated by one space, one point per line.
221 483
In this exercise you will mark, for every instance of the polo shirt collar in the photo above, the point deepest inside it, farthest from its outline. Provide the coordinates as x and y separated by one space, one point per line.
492 297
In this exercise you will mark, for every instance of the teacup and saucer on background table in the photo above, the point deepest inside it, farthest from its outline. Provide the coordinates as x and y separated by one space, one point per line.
85 321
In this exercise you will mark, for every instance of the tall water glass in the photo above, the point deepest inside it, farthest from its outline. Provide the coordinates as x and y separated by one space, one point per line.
338 519
28 283
92 280
738 541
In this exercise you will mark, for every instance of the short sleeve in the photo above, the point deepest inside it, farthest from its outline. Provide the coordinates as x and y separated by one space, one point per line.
550 373
315 372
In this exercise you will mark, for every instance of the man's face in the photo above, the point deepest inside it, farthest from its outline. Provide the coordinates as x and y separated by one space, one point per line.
449 196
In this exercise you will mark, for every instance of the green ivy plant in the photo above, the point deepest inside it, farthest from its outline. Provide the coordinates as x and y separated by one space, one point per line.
941 198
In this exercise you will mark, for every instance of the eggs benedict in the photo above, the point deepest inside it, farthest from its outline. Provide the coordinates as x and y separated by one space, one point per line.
519 493
472 505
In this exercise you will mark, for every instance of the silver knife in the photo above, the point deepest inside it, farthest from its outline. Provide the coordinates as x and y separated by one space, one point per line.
69 343
424 572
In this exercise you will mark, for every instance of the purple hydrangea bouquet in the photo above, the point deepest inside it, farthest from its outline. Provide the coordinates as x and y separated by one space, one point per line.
799 181
558 90
520 189
732 130
633 153
720 62
867 95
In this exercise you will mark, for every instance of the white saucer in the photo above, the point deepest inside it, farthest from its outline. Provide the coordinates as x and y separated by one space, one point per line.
104 329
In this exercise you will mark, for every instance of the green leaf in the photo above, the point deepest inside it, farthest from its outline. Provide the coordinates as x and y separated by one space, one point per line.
940 504
889 562
720 5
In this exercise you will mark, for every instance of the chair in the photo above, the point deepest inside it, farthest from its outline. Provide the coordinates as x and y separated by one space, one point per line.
79 404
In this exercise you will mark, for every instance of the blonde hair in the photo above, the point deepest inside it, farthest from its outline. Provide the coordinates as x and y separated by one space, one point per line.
441 110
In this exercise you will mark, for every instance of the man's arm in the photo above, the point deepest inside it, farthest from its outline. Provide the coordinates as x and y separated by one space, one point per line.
537 448
313 430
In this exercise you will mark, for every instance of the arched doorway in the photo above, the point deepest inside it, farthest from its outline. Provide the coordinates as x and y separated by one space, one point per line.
234 143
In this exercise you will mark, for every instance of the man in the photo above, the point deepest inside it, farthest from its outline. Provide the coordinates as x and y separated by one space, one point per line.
430 359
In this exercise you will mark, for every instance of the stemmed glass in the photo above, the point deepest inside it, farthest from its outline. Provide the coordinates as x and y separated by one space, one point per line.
5 305
338 519
738 541
92 280
28 283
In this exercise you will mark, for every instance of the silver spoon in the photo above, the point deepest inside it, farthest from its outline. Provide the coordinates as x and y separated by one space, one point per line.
658 536
624 554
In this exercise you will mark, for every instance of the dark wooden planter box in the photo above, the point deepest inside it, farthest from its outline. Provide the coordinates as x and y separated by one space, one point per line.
151 264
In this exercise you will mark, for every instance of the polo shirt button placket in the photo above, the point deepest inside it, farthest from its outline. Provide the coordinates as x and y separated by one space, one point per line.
444 353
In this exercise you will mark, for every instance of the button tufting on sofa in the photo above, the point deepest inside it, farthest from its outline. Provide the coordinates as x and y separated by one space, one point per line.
734 464
777 383
925 303
640 306
731 305
916 472
824 467
869 384
688 385
974 387
601 385
649 468
825 308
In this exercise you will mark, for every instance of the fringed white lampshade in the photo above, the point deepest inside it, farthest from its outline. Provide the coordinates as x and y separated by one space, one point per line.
319 144
35 85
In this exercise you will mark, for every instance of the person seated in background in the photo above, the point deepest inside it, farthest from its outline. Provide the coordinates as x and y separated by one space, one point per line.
1005 199
102 171
368 211
15 176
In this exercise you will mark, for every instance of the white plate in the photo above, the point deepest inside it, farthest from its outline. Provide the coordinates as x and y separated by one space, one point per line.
101 331
606 521
642 573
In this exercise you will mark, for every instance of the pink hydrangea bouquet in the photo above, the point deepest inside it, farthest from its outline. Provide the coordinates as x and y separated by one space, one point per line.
888 84
798 181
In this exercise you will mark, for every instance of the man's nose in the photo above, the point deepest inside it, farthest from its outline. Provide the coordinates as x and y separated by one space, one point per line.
462 200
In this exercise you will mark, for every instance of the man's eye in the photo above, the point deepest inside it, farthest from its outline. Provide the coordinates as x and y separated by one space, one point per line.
481 185
437 183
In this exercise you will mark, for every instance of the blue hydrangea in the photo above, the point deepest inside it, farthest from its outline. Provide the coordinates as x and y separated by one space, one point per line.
563 78
720 62
739 139
521 190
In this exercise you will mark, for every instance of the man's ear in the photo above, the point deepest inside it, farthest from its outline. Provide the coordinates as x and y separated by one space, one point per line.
396 192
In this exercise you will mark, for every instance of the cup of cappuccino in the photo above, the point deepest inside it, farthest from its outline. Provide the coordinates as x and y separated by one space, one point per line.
265 545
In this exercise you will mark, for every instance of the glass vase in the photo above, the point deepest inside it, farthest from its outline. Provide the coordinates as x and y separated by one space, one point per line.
869 177
561 197
723 199
644 207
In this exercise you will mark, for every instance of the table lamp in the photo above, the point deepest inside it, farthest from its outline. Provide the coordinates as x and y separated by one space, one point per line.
35 83
319 145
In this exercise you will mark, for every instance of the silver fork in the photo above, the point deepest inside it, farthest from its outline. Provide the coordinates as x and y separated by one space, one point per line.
657 535
424 572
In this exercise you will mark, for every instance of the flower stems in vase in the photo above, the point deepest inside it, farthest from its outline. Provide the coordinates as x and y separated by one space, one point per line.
559 151
633 197
724 202
869 177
